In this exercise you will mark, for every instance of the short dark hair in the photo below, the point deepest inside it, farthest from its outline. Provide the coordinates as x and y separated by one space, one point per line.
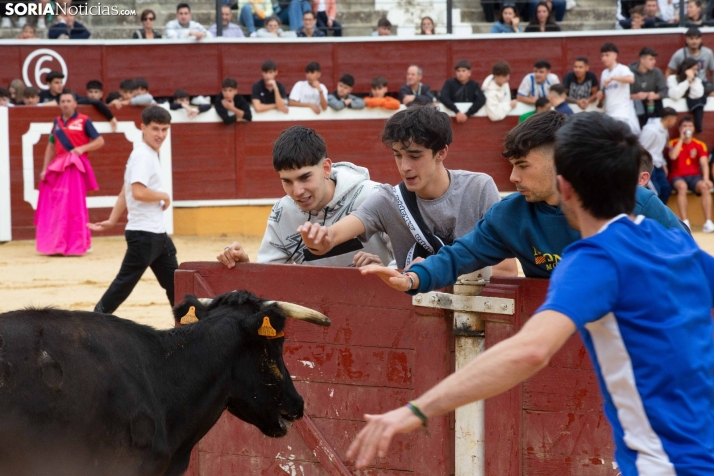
422 125
558 89
95 84
582 59
693 32
180 94
500 68
600 157
637 10
68 91
112 96
268 65
348 80
308 12
155 114
298 147
182 5
379 82
127 85
647 51
646 162
668 111
686 118
537 132
609 48
146 13
30 92
141 83
229 83
53 75
540 64
384 23
312 67
542 102
4 93
463 64
274 18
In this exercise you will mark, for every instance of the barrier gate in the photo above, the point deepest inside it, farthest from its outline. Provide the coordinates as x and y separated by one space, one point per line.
385 348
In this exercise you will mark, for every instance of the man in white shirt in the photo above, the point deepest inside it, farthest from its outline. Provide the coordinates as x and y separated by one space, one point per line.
654 138
615 88
537 84
310 93
183 27
498 93
142 195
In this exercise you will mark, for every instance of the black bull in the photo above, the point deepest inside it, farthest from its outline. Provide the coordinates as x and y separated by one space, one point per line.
90 394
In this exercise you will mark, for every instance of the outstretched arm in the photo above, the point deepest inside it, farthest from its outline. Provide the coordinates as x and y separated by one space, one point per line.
320 239
118 209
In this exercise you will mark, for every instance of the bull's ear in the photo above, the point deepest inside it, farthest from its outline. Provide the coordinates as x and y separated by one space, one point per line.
183 314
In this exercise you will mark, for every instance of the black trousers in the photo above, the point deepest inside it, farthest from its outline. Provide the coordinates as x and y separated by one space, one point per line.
144 250
322 25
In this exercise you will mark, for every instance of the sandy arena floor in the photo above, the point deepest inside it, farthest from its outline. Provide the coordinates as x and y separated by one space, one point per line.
29 279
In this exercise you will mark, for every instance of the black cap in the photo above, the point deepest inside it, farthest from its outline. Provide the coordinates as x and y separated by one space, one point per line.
648 51
693 32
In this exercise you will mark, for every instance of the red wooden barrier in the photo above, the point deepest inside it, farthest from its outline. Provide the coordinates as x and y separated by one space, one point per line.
381 352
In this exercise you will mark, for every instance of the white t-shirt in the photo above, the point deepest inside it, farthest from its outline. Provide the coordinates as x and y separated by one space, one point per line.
530 88
618 104
144 167
303 92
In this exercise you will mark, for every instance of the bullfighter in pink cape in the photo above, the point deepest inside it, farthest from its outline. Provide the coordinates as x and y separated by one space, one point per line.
61 217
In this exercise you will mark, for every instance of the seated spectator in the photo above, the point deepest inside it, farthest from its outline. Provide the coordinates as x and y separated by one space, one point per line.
462 89
636 20
181 100
146 32
30 96
649 87
68 28
253 14
541 104
555 6
95 90
127 90
230 105
537 84
414 90
272 29
142 97
654 138
559 99
695 50
543 20
308 30
326 11
508 21
384 28
427 26
615 82
652 15
343 96
686 84
581 84
112 96
690 170
290 12
310 93
16 88
28 33
230 30
667 11
378 96
498 92
183 27
267 93
5 98
694 13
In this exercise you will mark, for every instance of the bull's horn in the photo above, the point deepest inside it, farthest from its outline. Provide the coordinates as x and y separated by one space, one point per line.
205 301
302 313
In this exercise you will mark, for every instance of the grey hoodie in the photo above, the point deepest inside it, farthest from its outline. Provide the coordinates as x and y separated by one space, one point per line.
281 242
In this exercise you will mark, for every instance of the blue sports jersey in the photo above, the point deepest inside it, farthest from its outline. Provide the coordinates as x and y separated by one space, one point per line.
641 298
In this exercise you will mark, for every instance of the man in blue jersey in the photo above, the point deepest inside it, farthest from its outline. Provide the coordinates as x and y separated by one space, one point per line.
662 414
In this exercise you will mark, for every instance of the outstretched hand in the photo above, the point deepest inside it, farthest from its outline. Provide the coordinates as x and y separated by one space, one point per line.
392 277
100 226
316 237
233 254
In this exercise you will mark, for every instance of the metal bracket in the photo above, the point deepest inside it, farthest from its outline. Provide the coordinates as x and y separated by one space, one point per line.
455 302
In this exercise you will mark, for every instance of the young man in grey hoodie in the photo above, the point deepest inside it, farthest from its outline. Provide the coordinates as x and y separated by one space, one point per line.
649 88
318 191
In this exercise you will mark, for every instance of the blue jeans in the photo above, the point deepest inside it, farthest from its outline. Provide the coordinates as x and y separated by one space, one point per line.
659 180
293 14
558 7
248 20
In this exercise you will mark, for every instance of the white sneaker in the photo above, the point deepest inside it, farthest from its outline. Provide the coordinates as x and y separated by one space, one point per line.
686 222
21 22
41 24
6 23
708 227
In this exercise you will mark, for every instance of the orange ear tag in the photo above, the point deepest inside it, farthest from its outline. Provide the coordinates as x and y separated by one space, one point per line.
190 316
267 330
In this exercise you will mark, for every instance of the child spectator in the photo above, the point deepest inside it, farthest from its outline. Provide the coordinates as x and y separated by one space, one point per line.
267 93
378 96
127 90
5 98
462 89
649 87
581 85
343 96
615 84
543 20
230 105
309 30
498 92
537 84
384 28
326 14
142 96
636 20
541 104
509 22
414 90
181 100
427 26
95 90
272 29
686 84
558 99
30 96
28 33
310 93
16 88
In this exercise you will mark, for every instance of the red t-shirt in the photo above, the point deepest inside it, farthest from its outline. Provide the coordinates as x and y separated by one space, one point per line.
687 162
78 129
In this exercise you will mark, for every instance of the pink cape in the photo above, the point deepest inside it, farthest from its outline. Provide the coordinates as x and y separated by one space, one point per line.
61 217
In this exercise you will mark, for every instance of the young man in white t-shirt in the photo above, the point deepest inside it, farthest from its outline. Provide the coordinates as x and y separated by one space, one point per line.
142 195
311 92
615 83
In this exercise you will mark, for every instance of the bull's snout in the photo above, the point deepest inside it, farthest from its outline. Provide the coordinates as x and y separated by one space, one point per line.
292 409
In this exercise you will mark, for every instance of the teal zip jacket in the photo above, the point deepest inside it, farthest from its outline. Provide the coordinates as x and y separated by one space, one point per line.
535 233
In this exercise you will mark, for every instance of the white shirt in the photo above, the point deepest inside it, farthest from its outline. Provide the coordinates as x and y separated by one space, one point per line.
667 10
144 167
654 138
530 88
321 7
617 94
303 92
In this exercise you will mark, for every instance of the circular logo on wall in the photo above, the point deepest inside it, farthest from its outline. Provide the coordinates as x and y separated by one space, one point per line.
39 63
